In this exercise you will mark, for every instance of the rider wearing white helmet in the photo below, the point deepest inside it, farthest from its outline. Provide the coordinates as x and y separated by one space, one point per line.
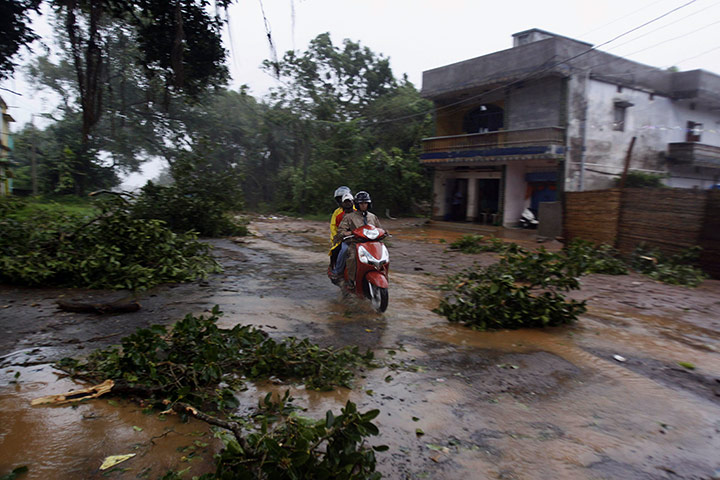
341 193
351 221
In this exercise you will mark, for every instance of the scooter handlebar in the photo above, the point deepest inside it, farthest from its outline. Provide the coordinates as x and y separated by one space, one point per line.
350 237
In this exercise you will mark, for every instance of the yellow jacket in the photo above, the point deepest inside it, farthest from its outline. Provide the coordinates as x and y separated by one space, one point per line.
334 222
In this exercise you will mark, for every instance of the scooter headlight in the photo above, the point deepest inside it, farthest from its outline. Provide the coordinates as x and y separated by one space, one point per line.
367 258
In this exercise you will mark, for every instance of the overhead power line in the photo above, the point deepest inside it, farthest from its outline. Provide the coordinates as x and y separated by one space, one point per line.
674 38
667 25
698 55
537 72
621 18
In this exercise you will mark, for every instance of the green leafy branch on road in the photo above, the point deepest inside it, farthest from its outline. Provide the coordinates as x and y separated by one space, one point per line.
677 269
277 443
586 257
110 249
480 243
198 362
525 288
583 257
522 290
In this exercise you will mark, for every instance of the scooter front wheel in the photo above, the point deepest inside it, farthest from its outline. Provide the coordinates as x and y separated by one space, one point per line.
378 297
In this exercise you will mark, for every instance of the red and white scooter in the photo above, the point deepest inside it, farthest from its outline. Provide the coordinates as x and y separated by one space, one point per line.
373 263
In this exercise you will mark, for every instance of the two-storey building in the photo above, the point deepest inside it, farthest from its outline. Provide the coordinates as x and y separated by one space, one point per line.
517 127
5 149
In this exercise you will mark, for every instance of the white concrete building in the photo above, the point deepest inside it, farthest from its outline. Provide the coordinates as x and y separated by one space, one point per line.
520 126
6 145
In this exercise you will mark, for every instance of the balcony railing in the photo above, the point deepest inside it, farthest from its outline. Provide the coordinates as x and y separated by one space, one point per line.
693 153
530 137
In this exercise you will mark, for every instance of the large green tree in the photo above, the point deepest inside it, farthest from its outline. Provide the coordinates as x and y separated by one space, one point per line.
121 53
340 112
15 31
59 167
178 41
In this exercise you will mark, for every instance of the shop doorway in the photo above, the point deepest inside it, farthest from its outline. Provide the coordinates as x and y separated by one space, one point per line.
488 199
541 192
456 199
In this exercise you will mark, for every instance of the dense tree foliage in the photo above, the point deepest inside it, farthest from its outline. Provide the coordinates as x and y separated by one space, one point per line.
341 117
15 31
60 167
202 198
331 124
177 42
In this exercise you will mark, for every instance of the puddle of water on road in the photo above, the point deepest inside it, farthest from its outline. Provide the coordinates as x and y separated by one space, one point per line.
664 335
70 442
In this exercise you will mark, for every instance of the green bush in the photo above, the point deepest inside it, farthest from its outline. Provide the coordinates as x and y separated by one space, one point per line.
283 445
111 249
479 243
521 291
636 179
202 199
677 269
587 257
189 362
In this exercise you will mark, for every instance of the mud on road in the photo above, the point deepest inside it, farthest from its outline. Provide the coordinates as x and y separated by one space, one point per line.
455 403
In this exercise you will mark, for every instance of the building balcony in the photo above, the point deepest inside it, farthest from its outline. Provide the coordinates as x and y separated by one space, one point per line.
695 154
532 143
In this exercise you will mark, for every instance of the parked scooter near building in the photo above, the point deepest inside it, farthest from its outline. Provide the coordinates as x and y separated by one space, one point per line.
373 263
527 219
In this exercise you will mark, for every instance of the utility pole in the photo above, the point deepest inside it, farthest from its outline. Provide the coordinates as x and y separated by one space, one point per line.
33 158
627 162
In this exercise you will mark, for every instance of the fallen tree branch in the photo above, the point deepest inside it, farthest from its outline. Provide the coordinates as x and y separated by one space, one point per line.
234 427
76 395
89 307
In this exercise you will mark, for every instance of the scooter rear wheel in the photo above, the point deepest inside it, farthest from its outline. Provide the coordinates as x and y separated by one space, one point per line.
378 297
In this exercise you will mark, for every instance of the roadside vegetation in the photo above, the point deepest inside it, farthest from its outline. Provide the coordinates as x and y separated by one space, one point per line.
325 126
584 257
480 243
107 249
678 269
526 288
197 367
522 290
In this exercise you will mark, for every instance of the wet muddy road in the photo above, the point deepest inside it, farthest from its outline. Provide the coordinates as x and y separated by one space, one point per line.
547 403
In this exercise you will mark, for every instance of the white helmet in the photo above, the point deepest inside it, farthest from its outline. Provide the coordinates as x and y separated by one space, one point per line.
339 192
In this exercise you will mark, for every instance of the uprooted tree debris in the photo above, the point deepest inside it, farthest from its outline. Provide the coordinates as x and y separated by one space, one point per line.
525 288
111 249
197 365
522 290
583 257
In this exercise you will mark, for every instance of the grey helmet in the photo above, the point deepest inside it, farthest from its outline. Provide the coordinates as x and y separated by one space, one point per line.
339 192
363 197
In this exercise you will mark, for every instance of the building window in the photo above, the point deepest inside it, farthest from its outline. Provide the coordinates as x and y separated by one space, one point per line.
619 115
483 119
694 131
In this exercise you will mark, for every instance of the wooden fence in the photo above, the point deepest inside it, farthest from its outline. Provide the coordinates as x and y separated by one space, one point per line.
669 219
710 235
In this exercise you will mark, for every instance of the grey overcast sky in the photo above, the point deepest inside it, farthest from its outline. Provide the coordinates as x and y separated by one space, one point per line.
419 35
